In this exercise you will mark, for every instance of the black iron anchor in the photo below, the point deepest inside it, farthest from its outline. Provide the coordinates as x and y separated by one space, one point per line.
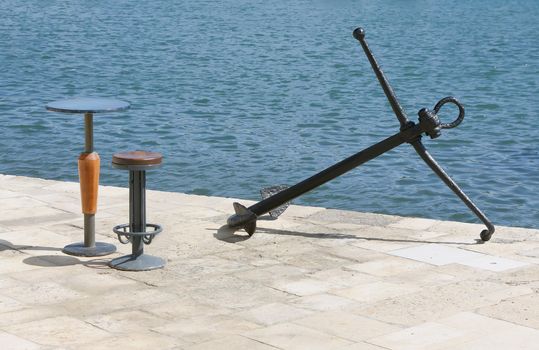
410 132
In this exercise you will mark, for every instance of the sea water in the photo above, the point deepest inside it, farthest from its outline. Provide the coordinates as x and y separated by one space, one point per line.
242 94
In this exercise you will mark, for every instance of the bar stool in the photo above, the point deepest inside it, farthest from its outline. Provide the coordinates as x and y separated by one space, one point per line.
137 162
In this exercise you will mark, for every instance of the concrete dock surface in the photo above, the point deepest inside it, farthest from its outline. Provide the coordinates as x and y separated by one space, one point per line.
315 278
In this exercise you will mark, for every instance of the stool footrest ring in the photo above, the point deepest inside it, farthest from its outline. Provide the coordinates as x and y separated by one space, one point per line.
125 236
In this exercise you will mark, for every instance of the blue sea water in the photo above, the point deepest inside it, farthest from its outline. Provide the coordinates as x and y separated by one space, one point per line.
241 94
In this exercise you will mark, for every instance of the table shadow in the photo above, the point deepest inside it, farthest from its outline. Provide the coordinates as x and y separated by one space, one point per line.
6 245
51 260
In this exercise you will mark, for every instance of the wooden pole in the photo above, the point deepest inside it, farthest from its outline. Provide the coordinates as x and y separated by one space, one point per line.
89 181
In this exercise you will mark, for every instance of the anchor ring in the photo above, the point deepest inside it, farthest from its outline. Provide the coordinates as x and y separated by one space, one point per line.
456 122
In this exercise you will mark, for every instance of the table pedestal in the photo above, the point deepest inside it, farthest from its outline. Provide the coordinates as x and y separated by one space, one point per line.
88 170
89 164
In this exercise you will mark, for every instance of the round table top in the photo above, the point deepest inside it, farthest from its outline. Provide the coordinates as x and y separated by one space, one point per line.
87 105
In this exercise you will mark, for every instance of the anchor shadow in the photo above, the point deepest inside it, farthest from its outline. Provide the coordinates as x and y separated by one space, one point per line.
227 234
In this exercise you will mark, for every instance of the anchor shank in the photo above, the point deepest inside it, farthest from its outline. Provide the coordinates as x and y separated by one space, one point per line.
328 174
431 162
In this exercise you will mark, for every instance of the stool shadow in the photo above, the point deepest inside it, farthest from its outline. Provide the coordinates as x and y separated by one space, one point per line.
60 261
227 234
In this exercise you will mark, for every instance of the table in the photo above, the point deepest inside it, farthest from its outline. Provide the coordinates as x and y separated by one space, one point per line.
88 165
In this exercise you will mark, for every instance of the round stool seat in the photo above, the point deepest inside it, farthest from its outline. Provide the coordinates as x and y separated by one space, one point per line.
136 160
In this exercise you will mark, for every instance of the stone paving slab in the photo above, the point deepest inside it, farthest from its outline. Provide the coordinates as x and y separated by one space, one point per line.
315 278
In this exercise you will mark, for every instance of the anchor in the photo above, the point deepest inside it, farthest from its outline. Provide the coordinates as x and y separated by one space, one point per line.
276 199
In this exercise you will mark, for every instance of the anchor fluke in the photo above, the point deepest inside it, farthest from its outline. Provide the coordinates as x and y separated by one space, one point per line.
244 218
270 191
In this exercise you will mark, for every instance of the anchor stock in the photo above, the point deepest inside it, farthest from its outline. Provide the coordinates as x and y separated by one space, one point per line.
410 132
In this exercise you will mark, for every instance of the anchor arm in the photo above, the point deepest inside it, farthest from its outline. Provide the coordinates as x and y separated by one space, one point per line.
432 126
438 170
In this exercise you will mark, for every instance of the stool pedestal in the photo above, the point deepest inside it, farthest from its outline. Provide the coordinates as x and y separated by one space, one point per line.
136 231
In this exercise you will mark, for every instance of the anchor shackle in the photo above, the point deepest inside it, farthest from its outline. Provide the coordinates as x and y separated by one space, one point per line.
430 122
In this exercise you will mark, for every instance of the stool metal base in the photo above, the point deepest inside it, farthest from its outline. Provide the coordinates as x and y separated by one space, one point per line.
79 249
142 262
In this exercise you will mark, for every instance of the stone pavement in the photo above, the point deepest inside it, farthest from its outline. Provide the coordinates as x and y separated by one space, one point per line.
313 279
